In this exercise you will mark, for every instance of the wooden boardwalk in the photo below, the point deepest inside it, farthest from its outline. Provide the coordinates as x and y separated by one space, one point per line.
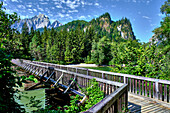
140 104
156 101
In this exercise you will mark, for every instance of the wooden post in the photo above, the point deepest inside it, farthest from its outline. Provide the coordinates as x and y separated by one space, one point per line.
157 89
139 88
124 78
87 72
150 89
146 88
136 86
143 87
165 93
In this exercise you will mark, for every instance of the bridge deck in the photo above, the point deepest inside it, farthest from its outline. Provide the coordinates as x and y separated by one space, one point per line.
139 104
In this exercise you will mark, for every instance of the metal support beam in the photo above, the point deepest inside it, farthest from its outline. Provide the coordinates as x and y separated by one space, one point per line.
58 79
35 71
39 72
43 75
50 76
70 84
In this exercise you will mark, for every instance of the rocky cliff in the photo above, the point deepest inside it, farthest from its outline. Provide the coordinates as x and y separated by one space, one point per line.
36 22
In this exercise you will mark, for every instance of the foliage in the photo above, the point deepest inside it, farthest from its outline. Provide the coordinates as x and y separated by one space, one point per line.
94 95
7 79
163 32
100 53
30 78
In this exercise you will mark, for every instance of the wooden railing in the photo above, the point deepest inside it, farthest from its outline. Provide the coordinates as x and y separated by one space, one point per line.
148 87
116 93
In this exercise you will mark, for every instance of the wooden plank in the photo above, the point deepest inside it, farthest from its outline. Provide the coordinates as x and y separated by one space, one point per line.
133 85
124 80
139 85
153 89
165 92
150 90
103 105
160 91
169 94
143 87
156 90
146 88
130 86
136 86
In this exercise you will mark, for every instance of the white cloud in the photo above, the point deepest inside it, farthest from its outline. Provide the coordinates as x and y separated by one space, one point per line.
43 3
56 3
58 6
146 17
82 17
52 7
21 6
85 3
96 4
40 9
61 15
23 16
82 2
72 11
4 3
14 0
70 17
35 10
88 3
63 11
160 14
30 9
71 4
29 5
147 2
67 15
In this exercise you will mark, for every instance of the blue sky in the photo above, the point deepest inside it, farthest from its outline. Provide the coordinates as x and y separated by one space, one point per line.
144 14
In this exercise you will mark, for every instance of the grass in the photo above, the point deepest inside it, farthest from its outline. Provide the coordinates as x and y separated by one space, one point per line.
106 68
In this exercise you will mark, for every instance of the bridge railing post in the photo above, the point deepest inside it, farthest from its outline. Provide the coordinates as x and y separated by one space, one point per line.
156 89
50 71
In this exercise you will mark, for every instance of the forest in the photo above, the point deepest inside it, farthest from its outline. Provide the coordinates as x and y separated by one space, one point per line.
95 44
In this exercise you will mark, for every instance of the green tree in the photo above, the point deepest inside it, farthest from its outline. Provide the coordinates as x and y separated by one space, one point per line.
25 40
7 79
35 48
163 32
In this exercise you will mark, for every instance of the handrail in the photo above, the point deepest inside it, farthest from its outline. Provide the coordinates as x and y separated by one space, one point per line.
113 73
116 93
148 87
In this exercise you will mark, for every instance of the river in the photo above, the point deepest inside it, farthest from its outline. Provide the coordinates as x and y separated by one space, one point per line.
31 100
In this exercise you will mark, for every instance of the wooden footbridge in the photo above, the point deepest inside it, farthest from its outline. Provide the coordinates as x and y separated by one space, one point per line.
139 94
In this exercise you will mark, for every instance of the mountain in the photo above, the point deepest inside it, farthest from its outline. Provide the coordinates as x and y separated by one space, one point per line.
37 22
103 25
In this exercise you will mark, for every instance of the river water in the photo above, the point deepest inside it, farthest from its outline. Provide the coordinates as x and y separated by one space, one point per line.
31 100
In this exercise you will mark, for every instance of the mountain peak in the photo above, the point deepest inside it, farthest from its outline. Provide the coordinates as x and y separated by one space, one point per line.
41 16
106 16
37 22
